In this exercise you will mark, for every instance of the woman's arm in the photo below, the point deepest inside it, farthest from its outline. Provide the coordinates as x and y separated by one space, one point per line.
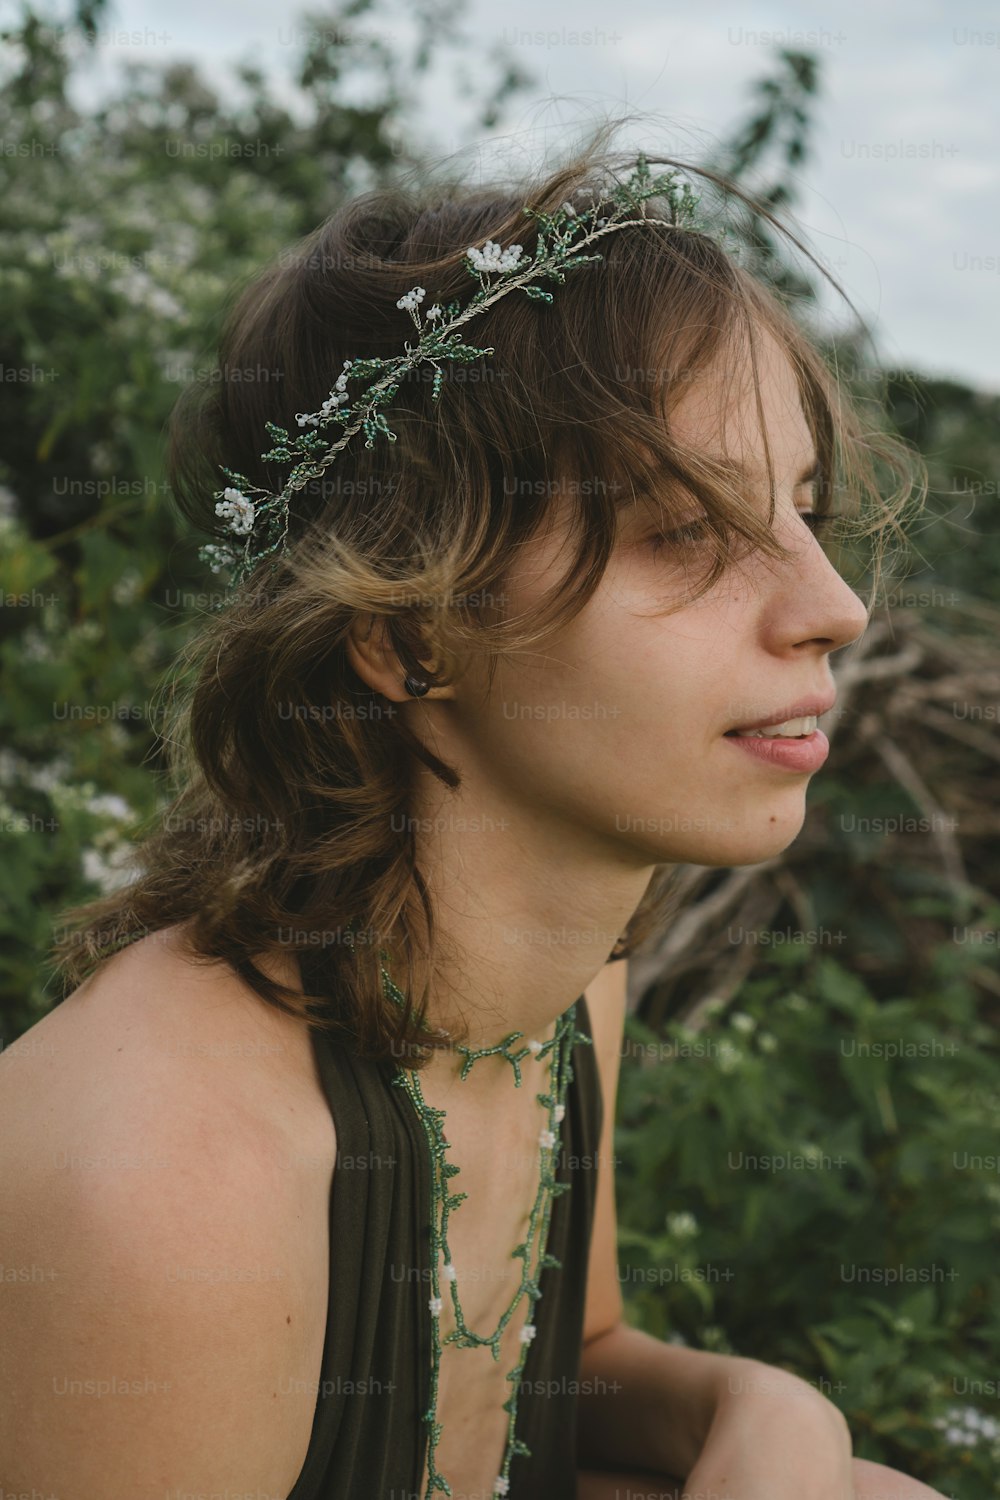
871 1482
735 1429
674 1411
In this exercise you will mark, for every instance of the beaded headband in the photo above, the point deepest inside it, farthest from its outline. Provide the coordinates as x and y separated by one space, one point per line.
261 517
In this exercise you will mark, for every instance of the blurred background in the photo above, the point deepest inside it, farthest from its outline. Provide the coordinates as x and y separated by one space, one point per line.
809 1164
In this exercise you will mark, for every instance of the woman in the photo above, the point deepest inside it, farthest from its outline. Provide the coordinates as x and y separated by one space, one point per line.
516 623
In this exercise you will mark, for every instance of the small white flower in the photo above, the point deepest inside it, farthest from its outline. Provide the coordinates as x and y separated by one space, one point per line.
449 1272
534 1047
237 510
217 558
682 1225
560 1113
435 1304
111 803
741 1021
336 398
501 1485
437 311
411 299
568 208
492 258
601 223
528 1333
547 1138
730 1057
766 1042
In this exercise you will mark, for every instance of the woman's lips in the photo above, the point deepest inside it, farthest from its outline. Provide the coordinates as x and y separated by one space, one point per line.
805 753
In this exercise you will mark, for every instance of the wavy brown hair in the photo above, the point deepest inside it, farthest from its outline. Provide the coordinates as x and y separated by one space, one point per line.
292 779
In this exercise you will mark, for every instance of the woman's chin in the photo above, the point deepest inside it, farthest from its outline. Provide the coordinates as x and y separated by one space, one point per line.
748 844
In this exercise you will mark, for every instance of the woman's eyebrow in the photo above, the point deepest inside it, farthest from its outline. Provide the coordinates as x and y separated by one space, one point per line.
811 472
809 475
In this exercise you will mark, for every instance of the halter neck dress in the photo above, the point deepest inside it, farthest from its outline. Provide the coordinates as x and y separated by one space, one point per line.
368 1441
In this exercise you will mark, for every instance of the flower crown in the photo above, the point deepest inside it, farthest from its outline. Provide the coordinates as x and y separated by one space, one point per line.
261 518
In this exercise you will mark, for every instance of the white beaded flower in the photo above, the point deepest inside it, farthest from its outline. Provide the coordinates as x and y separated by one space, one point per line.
501 1485
528 1333
410 300
336 398
492 258
560 1113
547 1138
217 557
450 1273
435 1304
237 510
437 311
535 1047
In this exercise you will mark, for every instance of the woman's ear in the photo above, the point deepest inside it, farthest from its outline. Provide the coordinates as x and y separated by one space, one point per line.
378 663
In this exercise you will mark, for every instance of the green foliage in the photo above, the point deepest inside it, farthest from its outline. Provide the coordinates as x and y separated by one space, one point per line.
812 1180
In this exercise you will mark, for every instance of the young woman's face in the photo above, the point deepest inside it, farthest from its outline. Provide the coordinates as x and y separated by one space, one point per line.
617 728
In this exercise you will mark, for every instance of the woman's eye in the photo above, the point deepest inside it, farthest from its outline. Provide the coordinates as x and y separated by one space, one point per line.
693 533
680 536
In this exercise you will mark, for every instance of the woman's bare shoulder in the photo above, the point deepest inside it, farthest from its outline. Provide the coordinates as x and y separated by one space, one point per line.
152 1027
168 1176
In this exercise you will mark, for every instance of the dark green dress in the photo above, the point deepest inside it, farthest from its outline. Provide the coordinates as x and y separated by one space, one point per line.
368 1442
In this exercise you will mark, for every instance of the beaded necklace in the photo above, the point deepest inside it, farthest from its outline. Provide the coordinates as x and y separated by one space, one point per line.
560 1046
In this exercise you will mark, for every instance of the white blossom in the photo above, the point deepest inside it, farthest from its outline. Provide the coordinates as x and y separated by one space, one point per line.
528 1333
216 557
336 398
501 1485
450 1272
560 1113
437 311
534 1047
435 1304
546 1138
410 300
237 510
683 1226
492 258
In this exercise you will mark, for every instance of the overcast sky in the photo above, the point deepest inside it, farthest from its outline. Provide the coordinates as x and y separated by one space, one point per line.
902 193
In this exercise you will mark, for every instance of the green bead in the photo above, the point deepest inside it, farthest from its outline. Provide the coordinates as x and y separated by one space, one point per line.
443 1202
